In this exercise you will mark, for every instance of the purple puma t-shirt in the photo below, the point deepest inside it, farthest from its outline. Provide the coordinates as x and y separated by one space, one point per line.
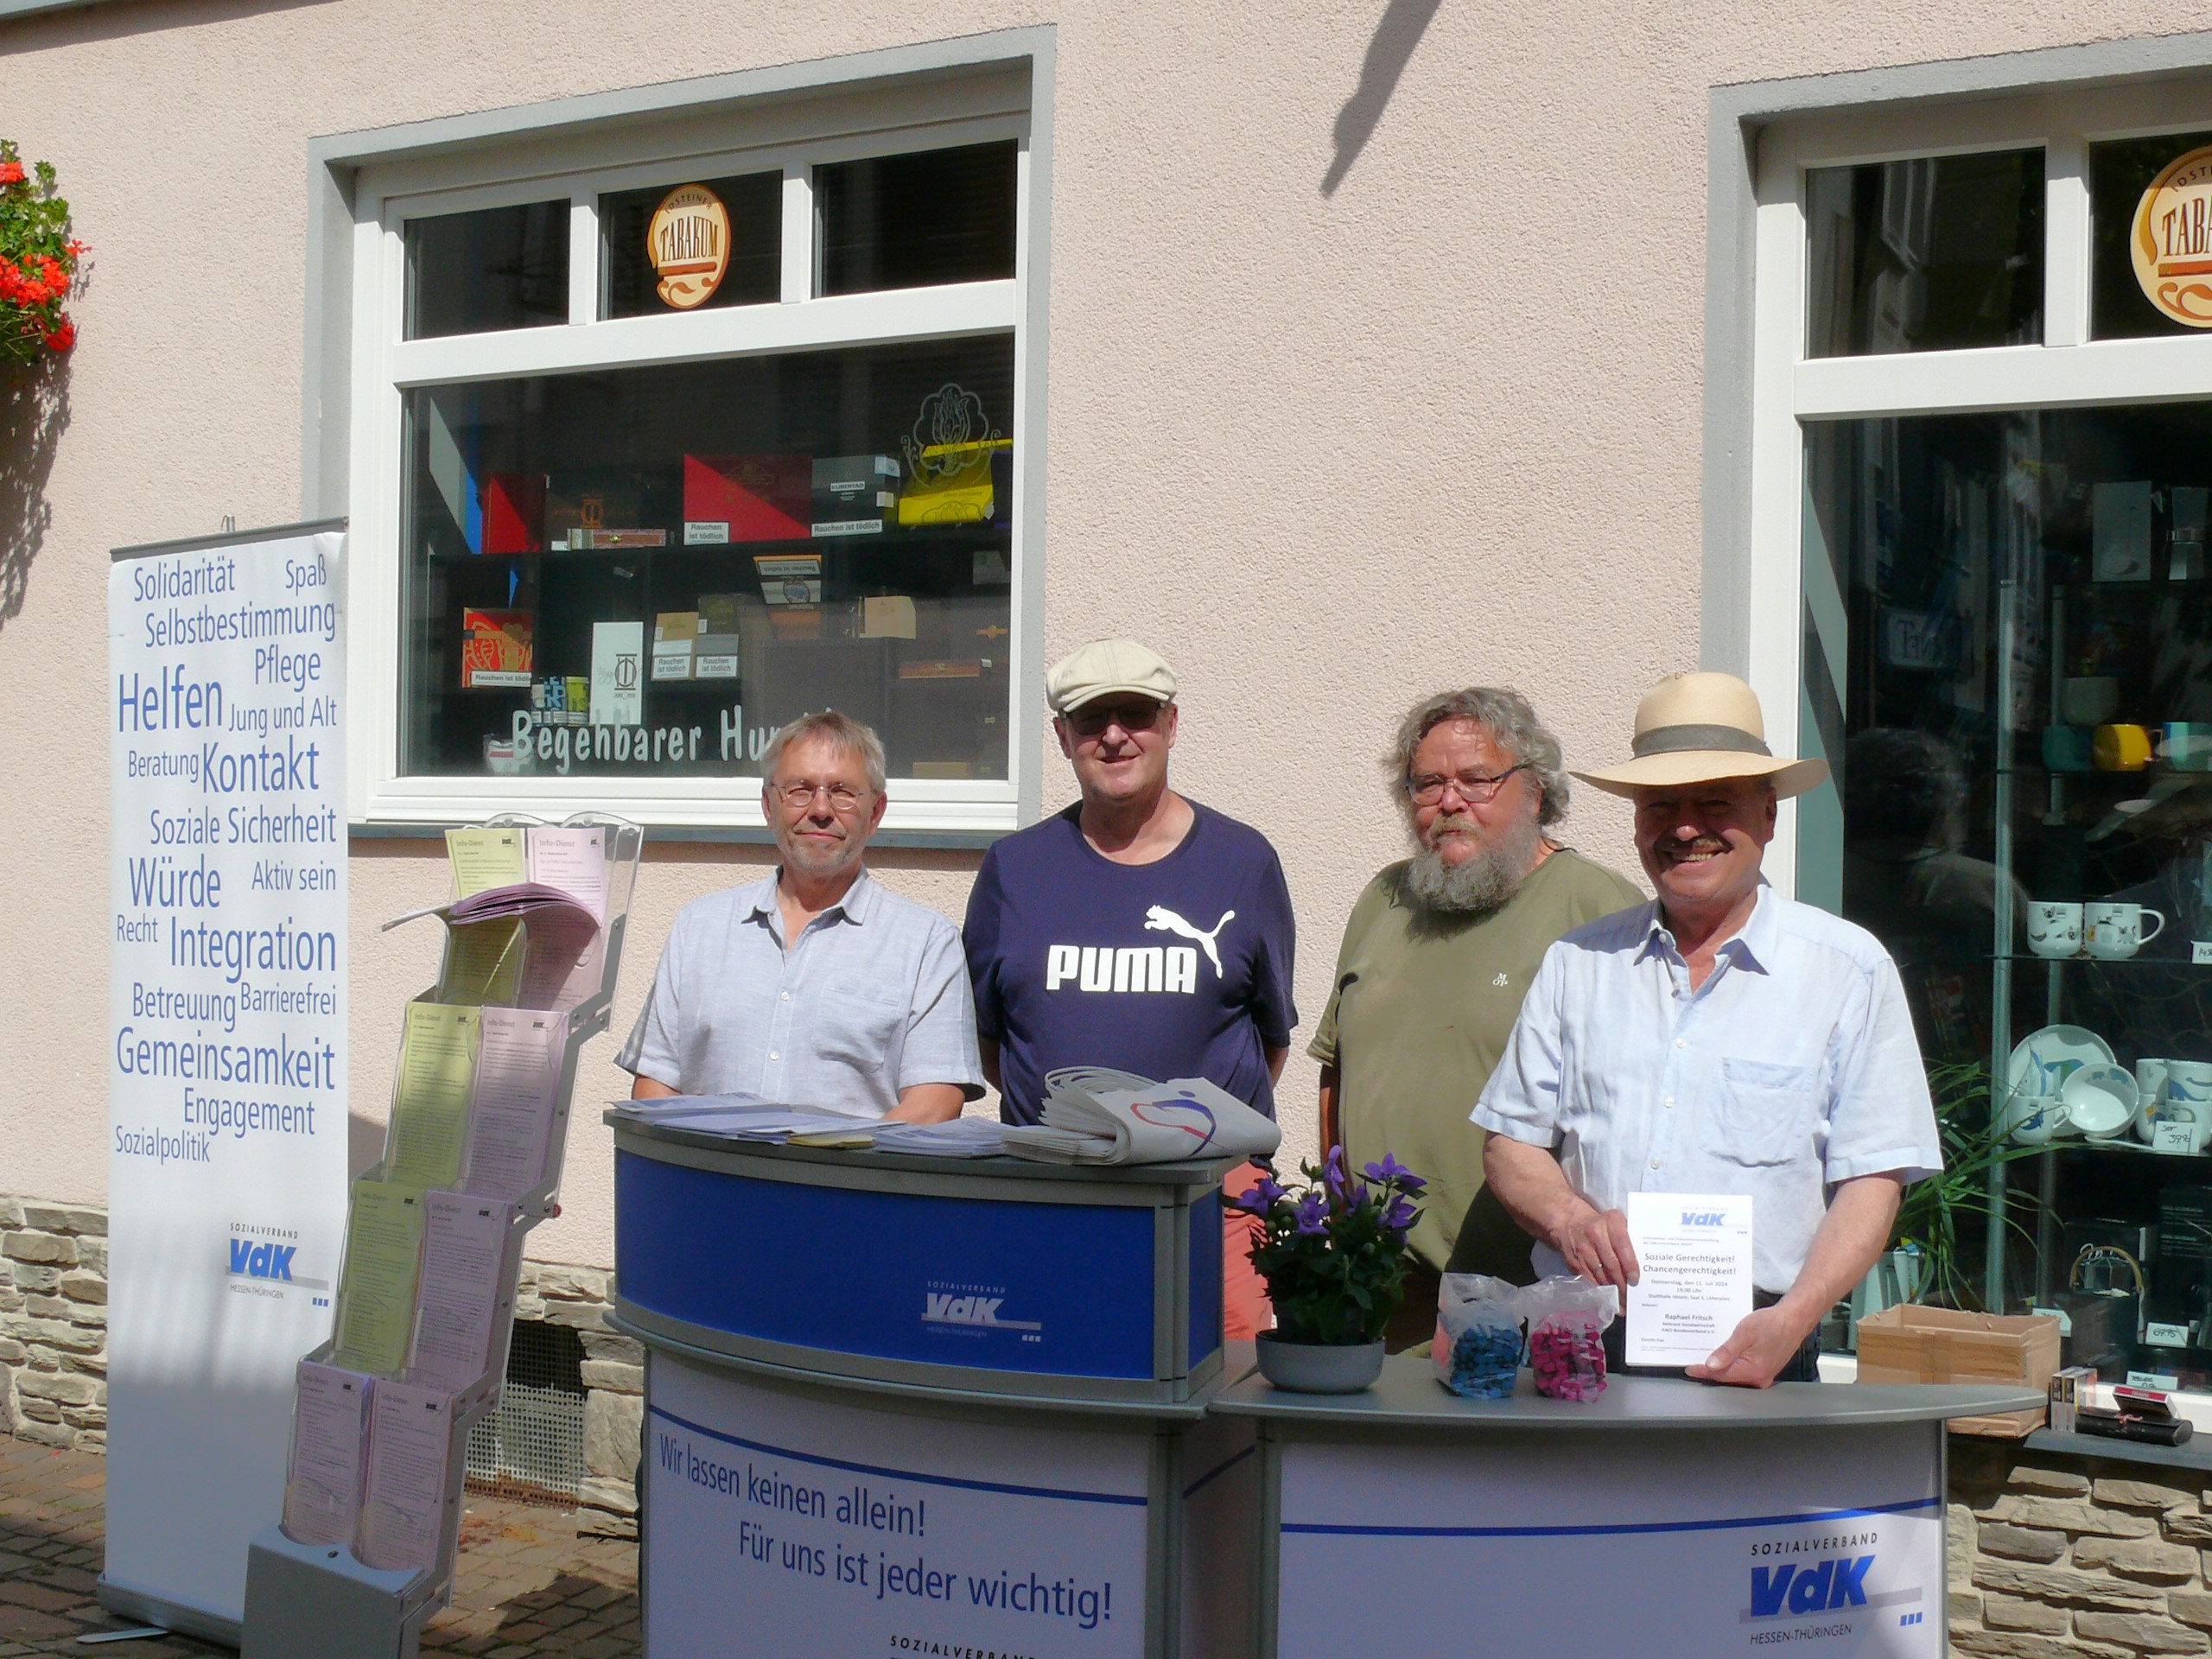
1177 968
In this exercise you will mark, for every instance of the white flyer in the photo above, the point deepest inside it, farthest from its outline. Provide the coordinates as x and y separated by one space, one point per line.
1695 1253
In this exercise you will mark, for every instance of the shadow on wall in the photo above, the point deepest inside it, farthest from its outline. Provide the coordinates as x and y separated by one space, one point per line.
1395 37
34 411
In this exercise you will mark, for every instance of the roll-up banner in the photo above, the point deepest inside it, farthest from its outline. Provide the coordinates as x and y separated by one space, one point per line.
227 1067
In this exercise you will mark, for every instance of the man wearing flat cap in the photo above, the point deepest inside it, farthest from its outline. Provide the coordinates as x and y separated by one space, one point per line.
1721 1039
1137 930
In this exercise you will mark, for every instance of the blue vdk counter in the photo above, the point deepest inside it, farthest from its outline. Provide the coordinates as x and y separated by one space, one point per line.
907 1404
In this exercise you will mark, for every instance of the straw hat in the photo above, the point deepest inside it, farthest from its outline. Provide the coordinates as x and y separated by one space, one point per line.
1692 728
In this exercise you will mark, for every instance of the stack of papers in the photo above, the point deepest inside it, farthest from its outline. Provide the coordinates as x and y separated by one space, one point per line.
737 1117
528 929
1099 1117
958 1137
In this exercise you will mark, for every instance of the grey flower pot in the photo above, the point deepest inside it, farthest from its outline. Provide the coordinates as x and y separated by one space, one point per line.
1313 1368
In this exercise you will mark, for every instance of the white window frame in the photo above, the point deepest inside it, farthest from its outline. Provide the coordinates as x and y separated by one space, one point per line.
2065 370
851 120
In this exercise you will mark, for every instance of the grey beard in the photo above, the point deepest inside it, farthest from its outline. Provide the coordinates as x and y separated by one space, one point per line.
1478 885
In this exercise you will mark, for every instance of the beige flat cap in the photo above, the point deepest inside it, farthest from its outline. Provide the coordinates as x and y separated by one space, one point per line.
1695 728
1104 667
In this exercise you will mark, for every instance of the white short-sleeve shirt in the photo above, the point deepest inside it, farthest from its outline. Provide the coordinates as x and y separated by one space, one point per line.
872 999
1793 1068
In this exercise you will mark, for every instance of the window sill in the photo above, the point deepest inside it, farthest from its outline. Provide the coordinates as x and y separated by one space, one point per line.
739 834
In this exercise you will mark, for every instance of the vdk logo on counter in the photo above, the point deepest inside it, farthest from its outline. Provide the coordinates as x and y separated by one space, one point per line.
972 1310
1840 1581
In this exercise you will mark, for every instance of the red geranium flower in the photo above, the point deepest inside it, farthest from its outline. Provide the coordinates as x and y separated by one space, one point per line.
12 172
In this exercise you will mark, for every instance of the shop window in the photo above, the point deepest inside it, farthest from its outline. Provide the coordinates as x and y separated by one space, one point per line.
738 242
612 527
644 572
2004 650
1925 255
2021 734
2120 172
498 268
908 221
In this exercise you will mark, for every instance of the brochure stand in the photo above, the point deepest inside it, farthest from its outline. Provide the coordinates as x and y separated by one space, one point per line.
319 1600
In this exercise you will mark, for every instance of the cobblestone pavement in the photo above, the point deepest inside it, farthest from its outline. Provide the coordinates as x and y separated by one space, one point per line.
528 1584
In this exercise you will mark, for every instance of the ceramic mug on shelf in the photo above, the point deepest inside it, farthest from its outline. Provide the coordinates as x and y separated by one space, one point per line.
2120 748
2115 929
2186 745
2065 748
2151 1088
2089 701
2033 1119
2054 928
2189 1082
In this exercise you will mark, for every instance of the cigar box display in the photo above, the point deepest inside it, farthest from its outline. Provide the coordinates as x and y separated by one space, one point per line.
716 657
854 495
955 484
746 498
790 579
602 541
888 616
495 648
676 640
583 509
514 512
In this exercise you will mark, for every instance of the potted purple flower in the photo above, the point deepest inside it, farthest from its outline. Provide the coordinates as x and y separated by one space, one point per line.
1332 1251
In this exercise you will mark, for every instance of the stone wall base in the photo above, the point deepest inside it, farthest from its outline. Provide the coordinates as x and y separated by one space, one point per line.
53 1349
2058 1557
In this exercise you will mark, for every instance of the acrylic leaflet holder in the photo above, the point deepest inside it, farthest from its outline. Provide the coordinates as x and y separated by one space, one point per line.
363 1553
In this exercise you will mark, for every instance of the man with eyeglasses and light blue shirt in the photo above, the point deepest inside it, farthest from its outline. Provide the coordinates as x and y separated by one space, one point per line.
1720 1040
815 987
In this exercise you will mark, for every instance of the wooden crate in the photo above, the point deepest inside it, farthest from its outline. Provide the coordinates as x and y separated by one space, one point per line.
1911 1343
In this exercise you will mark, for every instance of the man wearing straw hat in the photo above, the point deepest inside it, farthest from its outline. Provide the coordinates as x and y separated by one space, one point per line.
1721 1039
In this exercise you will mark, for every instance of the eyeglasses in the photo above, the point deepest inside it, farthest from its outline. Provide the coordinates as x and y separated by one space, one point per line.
799 796
1090 721
1474 788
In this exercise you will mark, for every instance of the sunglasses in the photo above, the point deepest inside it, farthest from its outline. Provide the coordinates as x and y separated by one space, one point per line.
1092 720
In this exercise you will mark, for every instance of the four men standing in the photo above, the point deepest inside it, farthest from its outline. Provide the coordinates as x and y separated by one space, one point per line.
1721 1039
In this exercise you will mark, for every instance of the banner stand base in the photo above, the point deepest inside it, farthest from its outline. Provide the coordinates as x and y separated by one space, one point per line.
315 1601
127 1603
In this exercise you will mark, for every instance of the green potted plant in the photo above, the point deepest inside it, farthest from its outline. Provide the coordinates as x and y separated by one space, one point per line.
1332 1250
1941 1234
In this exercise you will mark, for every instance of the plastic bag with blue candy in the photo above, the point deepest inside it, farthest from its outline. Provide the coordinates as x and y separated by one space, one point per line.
1478 1344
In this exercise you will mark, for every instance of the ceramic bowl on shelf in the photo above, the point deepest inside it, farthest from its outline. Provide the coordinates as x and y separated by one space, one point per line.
2100 1099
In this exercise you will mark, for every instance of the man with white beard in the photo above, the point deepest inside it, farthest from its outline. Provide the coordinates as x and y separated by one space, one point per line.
1436 957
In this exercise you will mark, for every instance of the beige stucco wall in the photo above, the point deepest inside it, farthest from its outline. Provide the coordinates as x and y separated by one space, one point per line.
1328 453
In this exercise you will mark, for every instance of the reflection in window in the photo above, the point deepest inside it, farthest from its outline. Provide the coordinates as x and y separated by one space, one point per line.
908 221
2119 174
753 259
646 571
499 268
2008 649
1930 255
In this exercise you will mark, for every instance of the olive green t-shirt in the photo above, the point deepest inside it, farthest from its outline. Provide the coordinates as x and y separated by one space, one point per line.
1419 1012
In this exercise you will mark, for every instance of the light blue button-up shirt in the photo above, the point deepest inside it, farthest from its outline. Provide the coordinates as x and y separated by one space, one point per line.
872 999
1794 1067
